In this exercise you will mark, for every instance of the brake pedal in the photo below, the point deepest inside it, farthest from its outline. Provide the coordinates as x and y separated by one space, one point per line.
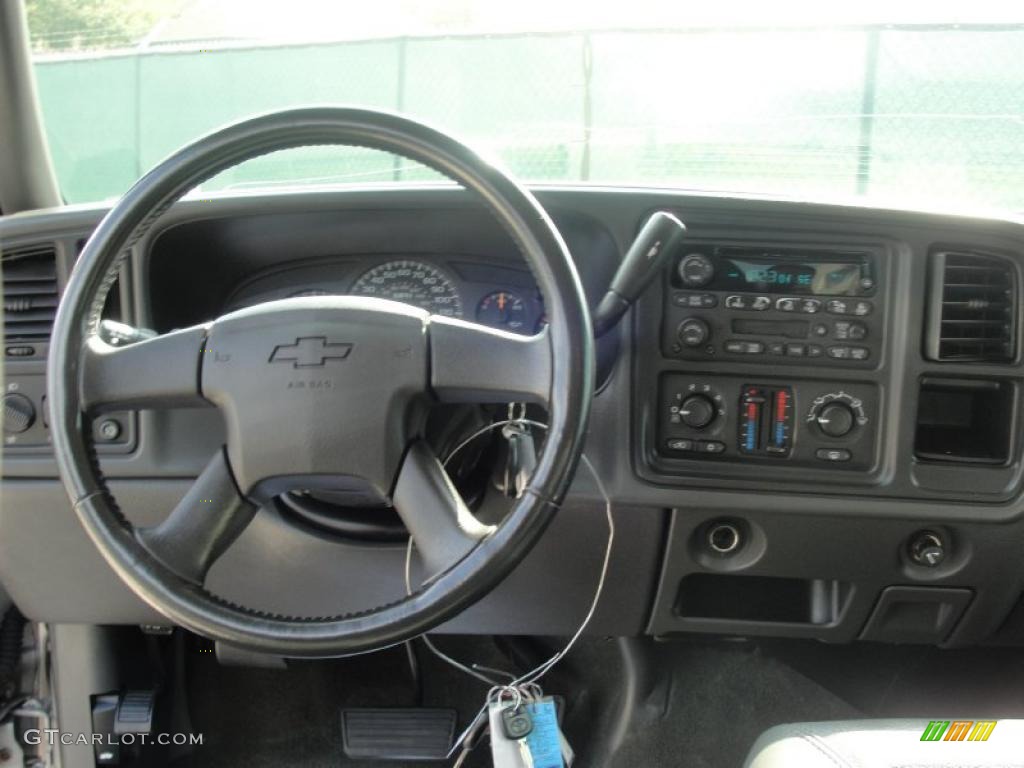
397 734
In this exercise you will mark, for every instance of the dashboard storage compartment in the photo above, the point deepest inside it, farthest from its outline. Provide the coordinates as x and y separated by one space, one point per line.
760 599
964 420
916 614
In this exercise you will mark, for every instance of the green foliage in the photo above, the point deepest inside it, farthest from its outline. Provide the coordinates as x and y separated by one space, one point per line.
60 25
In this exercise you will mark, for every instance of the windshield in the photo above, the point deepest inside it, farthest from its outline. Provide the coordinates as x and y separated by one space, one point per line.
907 111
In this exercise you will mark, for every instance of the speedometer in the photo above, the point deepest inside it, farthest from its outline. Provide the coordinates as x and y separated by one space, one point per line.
411 282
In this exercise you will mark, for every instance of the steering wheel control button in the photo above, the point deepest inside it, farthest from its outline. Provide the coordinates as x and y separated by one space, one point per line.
835 455
19 413
693 332
696 270
927 549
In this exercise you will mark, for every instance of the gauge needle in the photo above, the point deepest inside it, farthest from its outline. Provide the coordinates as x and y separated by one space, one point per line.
501 301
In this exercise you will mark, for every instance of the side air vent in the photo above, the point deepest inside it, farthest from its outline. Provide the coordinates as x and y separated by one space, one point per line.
974 308
30 292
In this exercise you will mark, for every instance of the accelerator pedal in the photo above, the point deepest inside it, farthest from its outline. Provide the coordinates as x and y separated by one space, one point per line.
397 734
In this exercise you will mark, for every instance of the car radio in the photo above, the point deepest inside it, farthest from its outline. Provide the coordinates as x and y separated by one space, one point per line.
778 305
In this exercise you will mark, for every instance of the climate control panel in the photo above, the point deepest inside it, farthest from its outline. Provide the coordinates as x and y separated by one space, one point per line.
819 423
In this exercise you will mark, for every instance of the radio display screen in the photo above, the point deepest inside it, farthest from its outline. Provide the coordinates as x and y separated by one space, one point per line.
766 275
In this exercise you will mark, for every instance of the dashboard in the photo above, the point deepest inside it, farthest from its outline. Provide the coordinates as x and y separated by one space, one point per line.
450 286
809 425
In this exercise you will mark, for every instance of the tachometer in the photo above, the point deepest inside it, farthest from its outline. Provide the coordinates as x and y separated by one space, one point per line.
411 282
502 309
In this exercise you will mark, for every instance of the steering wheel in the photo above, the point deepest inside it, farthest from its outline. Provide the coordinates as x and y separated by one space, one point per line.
319 392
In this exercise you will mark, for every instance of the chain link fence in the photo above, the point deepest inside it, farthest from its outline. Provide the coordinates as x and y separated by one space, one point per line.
931 116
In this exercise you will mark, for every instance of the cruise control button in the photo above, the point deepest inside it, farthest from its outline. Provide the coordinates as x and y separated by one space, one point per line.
810 306
710 446
679 444
833 454
786 304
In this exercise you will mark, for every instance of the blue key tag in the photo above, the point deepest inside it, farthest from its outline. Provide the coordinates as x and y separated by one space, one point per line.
545 739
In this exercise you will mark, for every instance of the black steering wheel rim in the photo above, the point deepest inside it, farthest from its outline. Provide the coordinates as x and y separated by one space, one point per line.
571 383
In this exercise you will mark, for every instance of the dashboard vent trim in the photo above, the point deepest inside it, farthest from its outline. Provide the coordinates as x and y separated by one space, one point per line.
30 292
973 313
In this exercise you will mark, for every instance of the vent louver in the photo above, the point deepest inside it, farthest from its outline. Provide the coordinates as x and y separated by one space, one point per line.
974 313
30 292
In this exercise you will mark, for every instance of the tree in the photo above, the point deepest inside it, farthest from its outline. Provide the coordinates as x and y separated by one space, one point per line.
57 25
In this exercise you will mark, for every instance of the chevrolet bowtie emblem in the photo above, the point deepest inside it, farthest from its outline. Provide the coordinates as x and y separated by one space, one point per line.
310 352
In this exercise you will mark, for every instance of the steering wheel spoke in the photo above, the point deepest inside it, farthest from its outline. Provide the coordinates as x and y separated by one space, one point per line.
477 364
440 523
162 372
203 525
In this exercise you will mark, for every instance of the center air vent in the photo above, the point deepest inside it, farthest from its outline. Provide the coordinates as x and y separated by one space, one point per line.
974 308
30 292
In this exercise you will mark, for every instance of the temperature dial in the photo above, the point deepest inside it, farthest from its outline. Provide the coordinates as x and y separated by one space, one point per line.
837 414
835 419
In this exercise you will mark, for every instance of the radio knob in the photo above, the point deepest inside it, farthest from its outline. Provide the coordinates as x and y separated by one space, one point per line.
697 411
836 419
696 270
693 332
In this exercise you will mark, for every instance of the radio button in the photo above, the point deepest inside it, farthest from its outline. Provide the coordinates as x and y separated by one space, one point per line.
839 352
850 330
862 308
735 302
815 350
819 329
796 350
693 332
859 353
695 300
776 348
760 303
787 304
696 270
837 307
810 306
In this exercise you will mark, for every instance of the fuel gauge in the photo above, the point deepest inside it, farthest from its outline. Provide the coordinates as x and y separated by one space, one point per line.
502 309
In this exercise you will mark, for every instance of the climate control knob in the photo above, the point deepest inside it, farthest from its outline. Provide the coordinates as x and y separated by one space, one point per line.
697 411
693 332
836 419
19 413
